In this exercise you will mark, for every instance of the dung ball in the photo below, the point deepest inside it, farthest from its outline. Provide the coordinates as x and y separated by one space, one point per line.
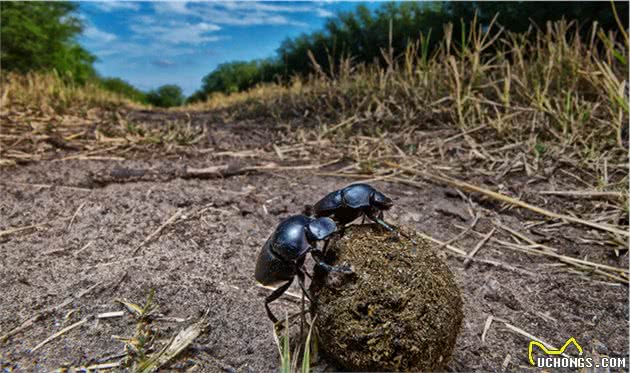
400 309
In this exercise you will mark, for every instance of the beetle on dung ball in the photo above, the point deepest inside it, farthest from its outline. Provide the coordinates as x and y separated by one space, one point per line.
282 257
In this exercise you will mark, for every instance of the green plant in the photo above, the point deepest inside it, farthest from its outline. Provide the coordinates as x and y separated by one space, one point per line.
166 96
40 36
287 365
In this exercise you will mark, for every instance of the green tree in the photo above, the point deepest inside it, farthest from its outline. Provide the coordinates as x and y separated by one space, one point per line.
199 95
364 35
166 96
239 75
123 88
41 36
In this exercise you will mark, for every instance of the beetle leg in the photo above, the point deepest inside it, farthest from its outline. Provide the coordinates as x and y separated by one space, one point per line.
300 276
382 223
273 296
389 228
318 255
325 246
307 274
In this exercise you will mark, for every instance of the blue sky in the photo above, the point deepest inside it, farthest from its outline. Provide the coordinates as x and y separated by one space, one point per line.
153 43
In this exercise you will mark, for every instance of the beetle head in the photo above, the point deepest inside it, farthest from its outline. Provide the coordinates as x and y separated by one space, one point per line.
380 201
320 228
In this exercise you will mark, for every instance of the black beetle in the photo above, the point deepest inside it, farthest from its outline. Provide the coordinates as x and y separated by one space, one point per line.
283 255
347 204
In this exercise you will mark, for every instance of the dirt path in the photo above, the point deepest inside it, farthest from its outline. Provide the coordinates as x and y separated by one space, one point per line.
205 260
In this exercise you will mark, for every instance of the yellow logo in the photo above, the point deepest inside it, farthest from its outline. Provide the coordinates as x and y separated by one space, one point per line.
551 351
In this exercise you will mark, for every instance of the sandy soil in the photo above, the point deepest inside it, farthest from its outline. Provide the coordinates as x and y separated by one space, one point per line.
205 260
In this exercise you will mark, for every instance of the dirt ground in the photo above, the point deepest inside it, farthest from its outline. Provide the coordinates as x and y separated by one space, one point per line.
85 257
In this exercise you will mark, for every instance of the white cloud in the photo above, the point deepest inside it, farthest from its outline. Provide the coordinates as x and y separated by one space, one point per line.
152 49
98 36
163 34
163 63
171 7
173 31
245 13
324 13
110 6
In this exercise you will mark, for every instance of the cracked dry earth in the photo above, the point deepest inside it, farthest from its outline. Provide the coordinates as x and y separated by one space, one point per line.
85 253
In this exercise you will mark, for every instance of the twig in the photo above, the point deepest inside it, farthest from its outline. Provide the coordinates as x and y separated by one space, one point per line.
442 244
230 170
278 152
107 264
463 233
582 264
59 333
74 216
582 193
464 133
347 122
378 178
31 321
524 238
498 196
38 316
563 258
97 367
20 229
179 342
109 315
88 158
506 362
478 247
503 265
83 248
157 231
48 186
530 336
486 327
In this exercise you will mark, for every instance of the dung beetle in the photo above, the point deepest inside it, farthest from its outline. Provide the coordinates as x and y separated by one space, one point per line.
282 257
347 204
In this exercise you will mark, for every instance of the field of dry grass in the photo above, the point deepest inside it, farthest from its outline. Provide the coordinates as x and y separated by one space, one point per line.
549 94
507 150
547 102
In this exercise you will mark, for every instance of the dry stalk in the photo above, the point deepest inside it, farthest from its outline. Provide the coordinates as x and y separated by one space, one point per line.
500 197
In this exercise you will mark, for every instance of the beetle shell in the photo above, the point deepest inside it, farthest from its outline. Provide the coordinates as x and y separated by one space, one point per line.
347 204
287 245
357 196
272 269
289 240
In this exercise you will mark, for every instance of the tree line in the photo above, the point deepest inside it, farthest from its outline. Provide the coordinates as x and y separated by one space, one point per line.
41 36
362 35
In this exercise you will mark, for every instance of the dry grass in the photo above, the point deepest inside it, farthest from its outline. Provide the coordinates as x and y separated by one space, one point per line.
549 98
553 91
547 106
50 94
144 352
41 113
